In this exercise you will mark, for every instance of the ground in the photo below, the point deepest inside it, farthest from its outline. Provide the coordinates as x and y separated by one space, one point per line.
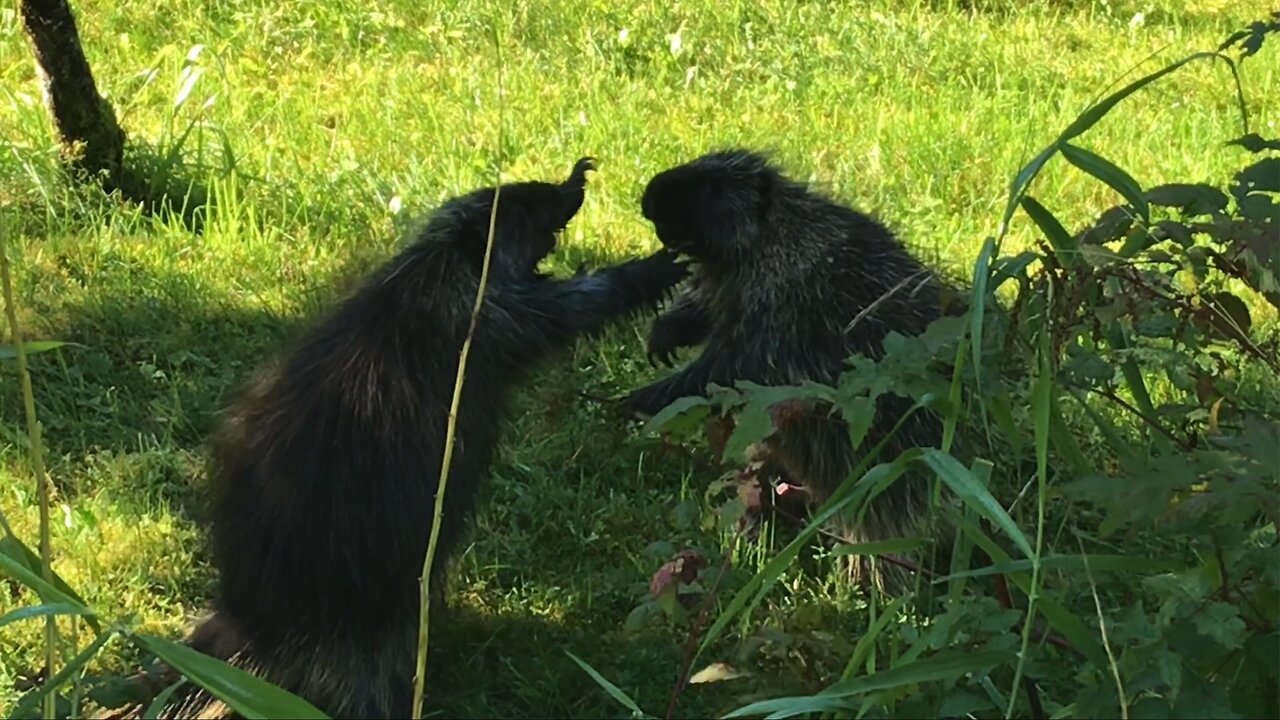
321 131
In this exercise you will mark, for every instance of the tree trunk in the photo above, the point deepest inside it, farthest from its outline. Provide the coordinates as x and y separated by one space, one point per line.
91 138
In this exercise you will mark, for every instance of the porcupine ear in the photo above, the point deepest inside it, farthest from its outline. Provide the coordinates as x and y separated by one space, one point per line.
573 191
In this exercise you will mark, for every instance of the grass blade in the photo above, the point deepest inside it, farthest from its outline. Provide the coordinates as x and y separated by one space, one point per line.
42 610
244 693
48 592
28 704
977 313
614 691
13 547
943 666
963 483
1111 174
755 589
1111 563
1064 246
161 700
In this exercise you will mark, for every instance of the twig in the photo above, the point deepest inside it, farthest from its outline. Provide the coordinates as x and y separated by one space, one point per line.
1102 628
1155 424
424 583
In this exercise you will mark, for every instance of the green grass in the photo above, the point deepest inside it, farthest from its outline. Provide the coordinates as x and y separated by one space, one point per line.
314 121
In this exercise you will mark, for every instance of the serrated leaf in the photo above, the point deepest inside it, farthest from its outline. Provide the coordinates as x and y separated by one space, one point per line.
249 696
716 672
962 482
1221 622
1109 173
858 413
751 425
609 687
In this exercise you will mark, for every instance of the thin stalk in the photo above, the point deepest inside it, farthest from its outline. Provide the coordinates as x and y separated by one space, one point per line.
37 464
424 582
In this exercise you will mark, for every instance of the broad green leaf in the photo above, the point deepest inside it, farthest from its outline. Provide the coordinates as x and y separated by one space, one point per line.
1255 143
28 704
1195 199
609 687
249 696
43 610
858 413
966 487
678 409
1221 621
1064 246
751 425
1262 176
9 351
1109 173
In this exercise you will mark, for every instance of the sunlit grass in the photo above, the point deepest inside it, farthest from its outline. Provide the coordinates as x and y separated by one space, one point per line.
322 129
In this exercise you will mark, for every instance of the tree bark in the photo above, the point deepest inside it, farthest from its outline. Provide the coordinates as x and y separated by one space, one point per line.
88 131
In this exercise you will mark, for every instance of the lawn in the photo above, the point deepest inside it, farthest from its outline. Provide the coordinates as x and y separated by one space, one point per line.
320 132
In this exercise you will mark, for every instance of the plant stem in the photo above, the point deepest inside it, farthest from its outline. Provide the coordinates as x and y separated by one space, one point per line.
36 452
424 582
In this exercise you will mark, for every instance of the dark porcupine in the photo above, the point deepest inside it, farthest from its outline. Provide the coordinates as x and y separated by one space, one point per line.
325 471
788 285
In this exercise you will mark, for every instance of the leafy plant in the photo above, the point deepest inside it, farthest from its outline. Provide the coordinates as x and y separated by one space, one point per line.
1134 338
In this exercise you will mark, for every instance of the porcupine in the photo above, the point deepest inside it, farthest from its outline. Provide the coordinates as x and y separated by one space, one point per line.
788 285
325 470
